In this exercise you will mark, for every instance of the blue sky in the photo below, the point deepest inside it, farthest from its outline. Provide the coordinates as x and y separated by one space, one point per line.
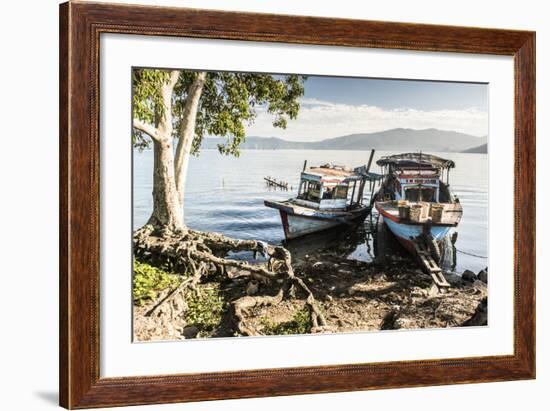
337 106
394 94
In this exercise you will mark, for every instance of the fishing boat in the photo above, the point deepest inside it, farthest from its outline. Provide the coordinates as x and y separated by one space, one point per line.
413 200
328 196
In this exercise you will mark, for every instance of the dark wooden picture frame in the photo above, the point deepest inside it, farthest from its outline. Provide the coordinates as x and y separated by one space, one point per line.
80 27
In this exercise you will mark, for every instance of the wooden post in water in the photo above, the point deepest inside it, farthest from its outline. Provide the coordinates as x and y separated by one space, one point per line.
370 159
362 187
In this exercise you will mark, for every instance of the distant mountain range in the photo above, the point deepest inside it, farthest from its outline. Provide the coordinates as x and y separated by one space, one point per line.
398 139
479 149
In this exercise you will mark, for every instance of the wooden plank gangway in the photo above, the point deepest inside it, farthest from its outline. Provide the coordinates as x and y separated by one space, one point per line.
272 182
429 264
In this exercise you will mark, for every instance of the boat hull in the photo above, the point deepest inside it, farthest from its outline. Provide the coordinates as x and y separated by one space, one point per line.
298 225
299 221
404 232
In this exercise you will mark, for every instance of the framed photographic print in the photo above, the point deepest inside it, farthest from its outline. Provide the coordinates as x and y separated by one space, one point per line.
258 205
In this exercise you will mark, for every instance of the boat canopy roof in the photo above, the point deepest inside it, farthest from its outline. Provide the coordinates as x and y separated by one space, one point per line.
343 173
411 160
330 172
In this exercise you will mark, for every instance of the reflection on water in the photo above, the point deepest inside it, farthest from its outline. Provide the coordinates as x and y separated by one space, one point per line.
226 194
355 242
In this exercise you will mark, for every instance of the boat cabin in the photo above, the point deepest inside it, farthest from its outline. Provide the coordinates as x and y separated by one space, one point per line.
330 187
416 177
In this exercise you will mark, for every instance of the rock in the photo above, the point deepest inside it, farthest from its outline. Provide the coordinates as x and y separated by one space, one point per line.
479 287
351 291
389 320
482 276
190 332
452 278
419 292
433 291
252 288
317 264
479 317
404 323
468 275
328 297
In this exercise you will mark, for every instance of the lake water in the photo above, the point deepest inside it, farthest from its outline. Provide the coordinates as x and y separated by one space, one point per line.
226 194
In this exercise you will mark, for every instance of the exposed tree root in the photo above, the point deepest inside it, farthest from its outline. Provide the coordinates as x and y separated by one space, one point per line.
202 254
240 306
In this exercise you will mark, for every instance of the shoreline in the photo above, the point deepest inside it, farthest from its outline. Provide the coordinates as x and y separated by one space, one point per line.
354 296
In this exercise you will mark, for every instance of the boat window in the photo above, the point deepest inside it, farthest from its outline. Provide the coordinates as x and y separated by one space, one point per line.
341 192
328 193
420 194
312 191
335 192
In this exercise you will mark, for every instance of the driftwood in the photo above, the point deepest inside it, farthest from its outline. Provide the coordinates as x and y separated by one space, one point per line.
201 254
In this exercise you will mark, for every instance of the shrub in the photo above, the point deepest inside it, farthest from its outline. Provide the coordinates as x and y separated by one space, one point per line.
299 324
149 280
204 309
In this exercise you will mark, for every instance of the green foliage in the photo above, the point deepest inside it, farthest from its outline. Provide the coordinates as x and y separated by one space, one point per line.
149 280
147 101
204 309
299 324
228 103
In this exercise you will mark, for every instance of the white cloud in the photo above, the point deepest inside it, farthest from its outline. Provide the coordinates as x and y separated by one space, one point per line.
318 120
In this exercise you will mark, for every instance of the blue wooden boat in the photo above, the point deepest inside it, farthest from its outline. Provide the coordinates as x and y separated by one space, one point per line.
413 201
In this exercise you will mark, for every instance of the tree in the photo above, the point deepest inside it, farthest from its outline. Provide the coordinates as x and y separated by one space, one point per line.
173 107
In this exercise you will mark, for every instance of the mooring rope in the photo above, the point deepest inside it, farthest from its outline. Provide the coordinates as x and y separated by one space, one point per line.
471 254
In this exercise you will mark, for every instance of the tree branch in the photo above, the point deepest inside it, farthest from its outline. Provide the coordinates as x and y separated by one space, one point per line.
146 128
187 131
166 91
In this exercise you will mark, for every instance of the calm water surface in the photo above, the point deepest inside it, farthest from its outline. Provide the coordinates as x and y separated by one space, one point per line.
226 194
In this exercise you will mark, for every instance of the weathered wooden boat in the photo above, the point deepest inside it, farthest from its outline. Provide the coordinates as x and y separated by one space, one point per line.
414 202
328 196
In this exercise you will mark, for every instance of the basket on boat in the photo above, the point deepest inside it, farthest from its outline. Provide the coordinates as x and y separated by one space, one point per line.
436 212
403 208
415 212
404 212
425 211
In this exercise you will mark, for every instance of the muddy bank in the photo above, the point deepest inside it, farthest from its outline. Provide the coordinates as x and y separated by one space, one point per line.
353 296
357 296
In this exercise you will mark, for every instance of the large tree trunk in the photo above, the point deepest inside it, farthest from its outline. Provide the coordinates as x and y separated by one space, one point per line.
167 209
170 170
187 134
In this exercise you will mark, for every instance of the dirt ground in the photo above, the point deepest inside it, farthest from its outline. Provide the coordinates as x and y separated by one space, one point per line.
357 296
354 296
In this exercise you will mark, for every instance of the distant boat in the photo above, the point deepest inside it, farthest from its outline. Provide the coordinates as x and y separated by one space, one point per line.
328 196
413 201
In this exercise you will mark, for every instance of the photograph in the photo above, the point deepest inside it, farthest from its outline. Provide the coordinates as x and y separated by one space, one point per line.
270 204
